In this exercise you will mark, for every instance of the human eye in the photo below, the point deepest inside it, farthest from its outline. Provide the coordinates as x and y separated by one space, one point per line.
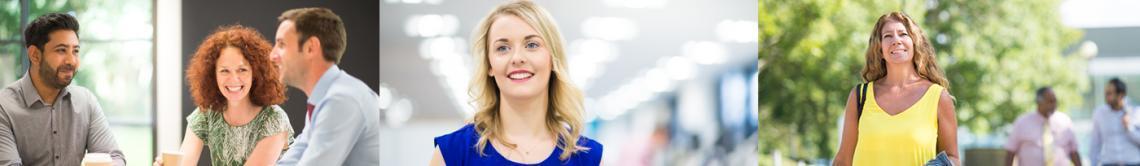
532 45
502 49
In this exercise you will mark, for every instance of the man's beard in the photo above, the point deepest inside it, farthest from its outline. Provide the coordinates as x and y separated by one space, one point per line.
52 76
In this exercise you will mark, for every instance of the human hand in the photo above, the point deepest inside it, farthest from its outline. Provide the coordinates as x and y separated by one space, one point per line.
157 161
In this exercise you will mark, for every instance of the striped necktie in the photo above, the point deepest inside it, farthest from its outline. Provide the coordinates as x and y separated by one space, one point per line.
1047 143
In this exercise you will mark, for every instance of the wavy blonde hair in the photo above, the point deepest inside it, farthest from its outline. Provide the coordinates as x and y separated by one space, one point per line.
923 60
564 116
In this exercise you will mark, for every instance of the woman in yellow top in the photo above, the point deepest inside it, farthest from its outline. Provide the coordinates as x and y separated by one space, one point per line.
908 115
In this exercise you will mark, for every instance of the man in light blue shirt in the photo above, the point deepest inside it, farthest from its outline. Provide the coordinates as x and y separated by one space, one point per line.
1115 136
342 124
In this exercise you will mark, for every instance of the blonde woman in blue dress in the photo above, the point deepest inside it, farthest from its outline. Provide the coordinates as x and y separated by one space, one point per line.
528 112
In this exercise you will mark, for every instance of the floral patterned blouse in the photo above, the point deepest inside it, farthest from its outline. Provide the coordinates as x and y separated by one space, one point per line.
231 145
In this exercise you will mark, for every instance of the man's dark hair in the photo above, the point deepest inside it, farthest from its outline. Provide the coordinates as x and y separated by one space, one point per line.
1120 89
38 31
322 23
1041 92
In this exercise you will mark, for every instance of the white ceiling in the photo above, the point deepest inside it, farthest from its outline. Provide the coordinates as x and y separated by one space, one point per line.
659 33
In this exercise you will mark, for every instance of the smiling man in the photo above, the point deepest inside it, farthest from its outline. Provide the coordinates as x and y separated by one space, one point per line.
342 123
44 120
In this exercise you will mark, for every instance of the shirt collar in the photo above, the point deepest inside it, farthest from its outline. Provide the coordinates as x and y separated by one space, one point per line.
323 84
31 95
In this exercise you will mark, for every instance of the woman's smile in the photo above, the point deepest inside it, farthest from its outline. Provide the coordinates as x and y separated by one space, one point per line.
520 76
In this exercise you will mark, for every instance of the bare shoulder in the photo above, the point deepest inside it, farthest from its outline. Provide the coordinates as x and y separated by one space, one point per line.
853 96
946 102
852 99
854 91
945 97
437 158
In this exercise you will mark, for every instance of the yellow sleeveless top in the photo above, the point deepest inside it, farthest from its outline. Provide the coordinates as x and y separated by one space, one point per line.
907 138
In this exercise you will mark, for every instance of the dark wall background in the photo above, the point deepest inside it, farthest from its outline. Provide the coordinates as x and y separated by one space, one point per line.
361 19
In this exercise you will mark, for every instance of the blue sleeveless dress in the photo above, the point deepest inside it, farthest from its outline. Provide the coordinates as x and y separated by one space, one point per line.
458 148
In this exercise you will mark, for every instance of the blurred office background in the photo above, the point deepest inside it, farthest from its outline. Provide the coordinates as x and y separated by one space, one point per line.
667 82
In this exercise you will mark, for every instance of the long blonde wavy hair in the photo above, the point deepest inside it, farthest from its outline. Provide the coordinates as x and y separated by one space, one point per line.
564 115
923 60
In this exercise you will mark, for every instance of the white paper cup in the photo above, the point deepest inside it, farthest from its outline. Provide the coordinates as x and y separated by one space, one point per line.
97 159
171 158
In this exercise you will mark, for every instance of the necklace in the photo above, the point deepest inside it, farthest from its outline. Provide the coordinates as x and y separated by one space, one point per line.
523 151
525 154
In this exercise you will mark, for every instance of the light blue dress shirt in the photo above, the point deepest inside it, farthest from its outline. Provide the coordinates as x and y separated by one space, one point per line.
1112 143
345 125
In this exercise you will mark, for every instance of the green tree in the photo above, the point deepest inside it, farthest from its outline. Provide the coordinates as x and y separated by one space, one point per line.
995 53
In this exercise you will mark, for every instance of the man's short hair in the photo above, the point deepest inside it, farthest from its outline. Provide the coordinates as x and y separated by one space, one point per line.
1120 88
39 30
322 23
1041 93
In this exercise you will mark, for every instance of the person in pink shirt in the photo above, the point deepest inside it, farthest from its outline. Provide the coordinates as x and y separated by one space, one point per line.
1046 127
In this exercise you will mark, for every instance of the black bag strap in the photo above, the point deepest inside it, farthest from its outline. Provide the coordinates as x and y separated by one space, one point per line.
862 98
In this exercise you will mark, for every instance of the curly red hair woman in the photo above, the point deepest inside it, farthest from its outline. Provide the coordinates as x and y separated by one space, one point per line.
267 88
236 88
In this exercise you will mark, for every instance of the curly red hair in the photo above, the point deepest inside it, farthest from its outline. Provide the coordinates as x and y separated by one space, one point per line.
267 88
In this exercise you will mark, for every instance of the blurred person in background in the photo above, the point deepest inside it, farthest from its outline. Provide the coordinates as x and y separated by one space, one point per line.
1044 137
1115 136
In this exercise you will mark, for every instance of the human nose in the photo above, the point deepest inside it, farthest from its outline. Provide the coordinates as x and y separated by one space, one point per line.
517 57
